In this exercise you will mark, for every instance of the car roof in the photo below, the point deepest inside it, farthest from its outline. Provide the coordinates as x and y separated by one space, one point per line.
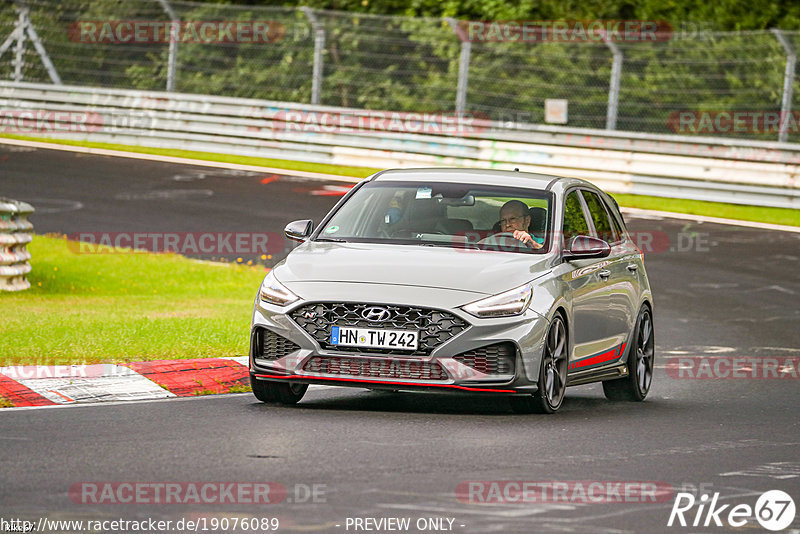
479 177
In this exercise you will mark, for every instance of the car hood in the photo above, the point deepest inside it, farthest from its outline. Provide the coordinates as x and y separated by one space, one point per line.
482 272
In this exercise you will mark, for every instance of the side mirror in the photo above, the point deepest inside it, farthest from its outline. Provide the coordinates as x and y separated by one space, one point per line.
583 247
299 230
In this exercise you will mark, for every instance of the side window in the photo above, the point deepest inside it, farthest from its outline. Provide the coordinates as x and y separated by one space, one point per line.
599 216
616 216
574 221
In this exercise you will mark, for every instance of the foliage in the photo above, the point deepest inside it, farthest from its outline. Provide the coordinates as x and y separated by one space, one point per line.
374 61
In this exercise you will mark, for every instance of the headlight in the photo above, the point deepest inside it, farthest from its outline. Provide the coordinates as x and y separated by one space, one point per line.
274 292
512 302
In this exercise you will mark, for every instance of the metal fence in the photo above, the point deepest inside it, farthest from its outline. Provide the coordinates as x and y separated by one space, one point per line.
737 171
416 64
15 234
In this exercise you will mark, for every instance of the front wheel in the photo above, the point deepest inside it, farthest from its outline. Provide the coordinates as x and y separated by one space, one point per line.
280 392
552 374
641 355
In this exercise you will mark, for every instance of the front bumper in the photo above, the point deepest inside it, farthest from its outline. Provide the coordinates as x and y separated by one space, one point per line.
462 363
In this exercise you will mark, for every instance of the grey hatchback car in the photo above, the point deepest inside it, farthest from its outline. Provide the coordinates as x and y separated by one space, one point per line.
460 280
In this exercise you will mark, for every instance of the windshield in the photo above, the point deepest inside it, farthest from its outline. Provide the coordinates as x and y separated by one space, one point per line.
447 215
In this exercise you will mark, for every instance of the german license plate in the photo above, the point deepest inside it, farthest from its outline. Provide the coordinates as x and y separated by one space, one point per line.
376 338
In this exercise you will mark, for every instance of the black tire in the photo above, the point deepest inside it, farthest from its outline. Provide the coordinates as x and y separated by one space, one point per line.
552 374
280 392
641 356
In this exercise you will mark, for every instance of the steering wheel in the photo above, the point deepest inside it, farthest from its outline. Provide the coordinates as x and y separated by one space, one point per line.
399 233
502 240
382 231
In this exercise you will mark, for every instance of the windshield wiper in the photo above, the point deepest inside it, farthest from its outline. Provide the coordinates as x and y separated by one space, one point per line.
331 240
446 244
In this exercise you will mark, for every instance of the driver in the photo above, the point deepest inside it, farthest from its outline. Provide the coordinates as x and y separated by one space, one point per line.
514 219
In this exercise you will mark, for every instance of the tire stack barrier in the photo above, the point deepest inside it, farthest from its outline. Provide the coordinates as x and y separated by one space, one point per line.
15 234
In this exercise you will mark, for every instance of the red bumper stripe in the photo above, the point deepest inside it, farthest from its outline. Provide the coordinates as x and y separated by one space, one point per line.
365 381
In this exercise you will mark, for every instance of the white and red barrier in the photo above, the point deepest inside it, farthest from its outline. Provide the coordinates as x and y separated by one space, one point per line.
48 385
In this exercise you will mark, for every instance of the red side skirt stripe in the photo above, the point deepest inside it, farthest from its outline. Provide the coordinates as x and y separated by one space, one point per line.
603 357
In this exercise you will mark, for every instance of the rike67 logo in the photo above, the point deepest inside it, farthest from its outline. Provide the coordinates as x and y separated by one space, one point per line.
774 510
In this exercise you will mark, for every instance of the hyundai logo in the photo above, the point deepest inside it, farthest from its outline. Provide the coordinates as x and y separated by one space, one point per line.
376 314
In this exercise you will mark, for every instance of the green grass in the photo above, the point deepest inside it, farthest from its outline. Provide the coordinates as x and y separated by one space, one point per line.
784 216
5 403
236 388
92 308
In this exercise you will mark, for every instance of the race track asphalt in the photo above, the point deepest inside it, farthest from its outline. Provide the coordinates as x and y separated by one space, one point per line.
720 291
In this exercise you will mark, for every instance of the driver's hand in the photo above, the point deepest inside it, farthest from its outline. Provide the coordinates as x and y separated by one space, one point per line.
526 238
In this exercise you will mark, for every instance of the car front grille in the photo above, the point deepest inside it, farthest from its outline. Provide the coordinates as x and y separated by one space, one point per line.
375 368
271 346
434 326
497 359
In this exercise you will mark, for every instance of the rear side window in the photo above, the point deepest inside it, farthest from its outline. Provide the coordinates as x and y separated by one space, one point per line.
574 221
616 217
600 217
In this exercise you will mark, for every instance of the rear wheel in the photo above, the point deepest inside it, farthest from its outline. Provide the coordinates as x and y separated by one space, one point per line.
641 355
552 374
280 392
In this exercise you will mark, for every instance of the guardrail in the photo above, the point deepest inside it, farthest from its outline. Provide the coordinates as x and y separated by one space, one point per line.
722 170
15 234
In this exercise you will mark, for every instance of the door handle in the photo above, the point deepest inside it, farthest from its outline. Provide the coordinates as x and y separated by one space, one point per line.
605 273
633 267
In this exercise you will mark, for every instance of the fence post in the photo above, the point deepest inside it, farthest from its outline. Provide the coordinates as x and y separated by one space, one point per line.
172 62
788 84
613 87
37 44
21 27
463 65
19 50
319 48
